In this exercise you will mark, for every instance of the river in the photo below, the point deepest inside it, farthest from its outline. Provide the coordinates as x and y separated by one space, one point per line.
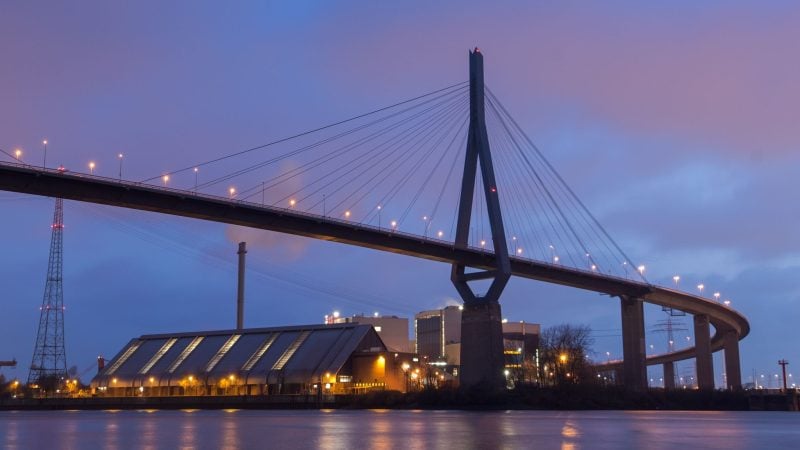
393 429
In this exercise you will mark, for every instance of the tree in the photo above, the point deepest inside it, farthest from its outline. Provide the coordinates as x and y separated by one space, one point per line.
563 350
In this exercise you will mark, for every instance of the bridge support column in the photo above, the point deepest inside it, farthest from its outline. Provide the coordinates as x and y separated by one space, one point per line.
733 369
634 369
703 359
482 359
669 375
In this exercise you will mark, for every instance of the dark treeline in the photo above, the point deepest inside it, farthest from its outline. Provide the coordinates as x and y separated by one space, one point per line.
563 397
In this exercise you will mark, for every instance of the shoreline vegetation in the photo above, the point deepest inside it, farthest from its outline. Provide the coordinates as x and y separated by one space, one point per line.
523 398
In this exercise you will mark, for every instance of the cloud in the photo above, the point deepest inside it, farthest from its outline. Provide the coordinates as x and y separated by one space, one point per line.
724 77
282 247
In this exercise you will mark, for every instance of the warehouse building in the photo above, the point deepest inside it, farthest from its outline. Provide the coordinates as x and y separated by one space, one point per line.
334 359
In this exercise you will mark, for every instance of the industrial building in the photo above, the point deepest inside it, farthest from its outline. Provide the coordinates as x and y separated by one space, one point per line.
521 350
436 331
438 338
393 330
332 359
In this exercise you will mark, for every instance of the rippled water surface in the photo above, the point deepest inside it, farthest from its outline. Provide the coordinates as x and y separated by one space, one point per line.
398 429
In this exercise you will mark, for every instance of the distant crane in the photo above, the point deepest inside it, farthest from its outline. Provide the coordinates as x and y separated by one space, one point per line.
12 363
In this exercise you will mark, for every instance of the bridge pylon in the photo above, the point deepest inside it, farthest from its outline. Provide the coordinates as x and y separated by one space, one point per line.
482 360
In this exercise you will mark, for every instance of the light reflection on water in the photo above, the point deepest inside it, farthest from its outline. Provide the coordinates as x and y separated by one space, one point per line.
382 430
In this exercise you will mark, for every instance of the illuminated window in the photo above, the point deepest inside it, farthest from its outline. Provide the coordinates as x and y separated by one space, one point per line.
222 351
378 329
260 352
185 353
161 352
287 355
128 353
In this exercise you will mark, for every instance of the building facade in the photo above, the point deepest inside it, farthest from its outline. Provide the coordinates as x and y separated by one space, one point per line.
521 351
393 330
332 359
435 331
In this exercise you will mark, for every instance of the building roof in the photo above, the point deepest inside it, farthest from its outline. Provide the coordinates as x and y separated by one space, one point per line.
294 354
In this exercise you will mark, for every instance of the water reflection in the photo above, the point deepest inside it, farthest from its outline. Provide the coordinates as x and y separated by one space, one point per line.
230 431
111 431
337 430
148 436
380 431
11 435
189 431
397 429
569 433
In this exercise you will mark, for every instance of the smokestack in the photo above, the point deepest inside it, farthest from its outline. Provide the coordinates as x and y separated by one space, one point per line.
240 288
101 363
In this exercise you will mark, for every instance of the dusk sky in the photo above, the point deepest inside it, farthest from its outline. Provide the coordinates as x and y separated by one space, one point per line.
675 123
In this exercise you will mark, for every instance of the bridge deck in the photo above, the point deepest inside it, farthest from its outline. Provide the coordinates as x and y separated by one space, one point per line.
106 191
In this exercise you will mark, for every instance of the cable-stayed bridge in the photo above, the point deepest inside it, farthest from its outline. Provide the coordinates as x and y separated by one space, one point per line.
448 176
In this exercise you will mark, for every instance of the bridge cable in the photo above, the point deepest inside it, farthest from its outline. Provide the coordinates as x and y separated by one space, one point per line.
446 183
399 140
431 125
343 150
548 211
416 167
305 133
452 94
566 223
432 171
563 183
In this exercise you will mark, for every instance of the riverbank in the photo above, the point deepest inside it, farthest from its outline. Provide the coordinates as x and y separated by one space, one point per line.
531 398
561 398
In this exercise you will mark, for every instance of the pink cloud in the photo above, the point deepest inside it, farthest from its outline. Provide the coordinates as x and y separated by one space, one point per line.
282 247
724 77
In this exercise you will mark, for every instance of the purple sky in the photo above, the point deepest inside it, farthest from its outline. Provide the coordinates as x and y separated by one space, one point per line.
676 124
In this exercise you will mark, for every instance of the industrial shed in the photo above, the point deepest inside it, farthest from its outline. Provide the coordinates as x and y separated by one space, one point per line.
335 359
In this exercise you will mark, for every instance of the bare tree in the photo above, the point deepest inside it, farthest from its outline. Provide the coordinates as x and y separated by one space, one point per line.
563 352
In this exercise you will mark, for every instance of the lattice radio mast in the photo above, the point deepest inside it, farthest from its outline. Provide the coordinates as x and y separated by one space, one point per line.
49 363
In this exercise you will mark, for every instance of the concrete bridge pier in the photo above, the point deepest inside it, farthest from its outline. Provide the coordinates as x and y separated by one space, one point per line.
703 360
482 359
634 368
669 375
733 370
